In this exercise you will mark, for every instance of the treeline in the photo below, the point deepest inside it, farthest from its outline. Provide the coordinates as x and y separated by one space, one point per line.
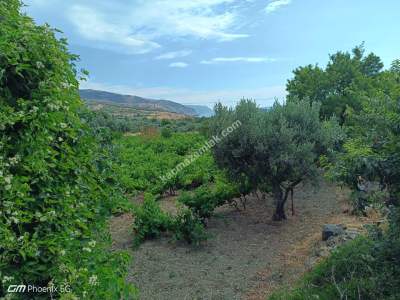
366 98
99 119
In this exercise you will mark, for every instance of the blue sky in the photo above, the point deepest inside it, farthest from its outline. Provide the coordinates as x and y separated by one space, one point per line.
203 51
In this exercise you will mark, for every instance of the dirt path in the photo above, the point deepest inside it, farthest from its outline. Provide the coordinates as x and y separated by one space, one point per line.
246 257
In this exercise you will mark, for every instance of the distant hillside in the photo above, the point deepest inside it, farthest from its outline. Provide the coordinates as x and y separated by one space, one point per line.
202 110
143 103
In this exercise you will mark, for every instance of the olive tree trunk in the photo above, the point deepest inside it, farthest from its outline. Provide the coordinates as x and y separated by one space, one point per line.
280 200
280 195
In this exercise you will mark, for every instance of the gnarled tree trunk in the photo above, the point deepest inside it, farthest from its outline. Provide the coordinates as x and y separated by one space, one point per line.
281 195
280 200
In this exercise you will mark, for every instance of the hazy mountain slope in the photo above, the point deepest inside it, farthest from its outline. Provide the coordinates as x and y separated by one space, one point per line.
202 110
136 102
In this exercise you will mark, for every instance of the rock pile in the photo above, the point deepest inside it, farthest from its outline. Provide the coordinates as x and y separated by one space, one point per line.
335 235
330 230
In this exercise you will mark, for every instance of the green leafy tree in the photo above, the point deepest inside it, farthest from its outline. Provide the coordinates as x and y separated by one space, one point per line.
236 153
369 266
347 79
372 152
309 82
395 67
275 149
54 199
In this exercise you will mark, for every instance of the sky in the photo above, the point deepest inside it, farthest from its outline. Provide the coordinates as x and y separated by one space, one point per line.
204 51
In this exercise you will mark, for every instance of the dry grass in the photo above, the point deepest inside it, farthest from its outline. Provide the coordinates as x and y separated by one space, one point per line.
248 255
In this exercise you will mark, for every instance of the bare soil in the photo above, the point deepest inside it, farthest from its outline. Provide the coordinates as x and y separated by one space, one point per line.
247 256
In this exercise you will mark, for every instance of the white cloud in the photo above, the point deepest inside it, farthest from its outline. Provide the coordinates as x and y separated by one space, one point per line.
276 4
264 96
178 65
138 26
174 54
93 26
196 18
217 60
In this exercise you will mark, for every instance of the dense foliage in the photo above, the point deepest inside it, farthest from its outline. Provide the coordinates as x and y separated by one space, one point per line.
54 192
347 79
201 185
187 226
154 156
206 198
273 150
64 169
369 267
373 152
150 220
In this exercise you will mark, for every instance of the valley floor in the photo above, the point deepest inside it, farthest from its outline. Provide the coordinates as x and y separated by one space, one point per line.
247 256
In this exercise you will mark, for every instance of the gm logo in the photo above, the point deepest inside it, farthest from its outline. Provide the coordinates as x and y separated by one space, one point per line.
13 288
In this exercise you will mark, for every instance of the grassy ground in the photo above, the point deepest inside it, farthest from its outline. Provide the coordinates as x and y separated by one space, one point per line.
247 256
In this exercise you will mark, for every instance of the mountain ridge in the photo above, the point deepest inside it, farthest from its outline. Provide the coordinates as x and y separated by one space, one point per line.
91 95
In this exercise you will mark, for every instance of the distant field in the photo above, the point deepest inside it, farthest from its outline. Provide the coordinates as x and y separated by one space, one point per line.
131 112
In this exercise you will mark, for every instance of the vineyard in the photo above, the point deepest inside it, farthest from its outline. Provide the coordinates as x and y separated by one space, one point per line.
105 204
201 186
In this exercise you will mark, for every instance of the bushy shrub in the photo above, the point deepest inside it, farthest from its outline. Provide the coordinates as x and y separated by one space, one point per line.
225 191
201 201
54 197
150 221
189 227
206 198
166 132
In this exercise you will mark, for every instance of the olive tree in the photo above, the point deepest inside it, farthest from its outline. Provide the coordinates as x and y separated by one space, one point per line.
236 153
276 149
